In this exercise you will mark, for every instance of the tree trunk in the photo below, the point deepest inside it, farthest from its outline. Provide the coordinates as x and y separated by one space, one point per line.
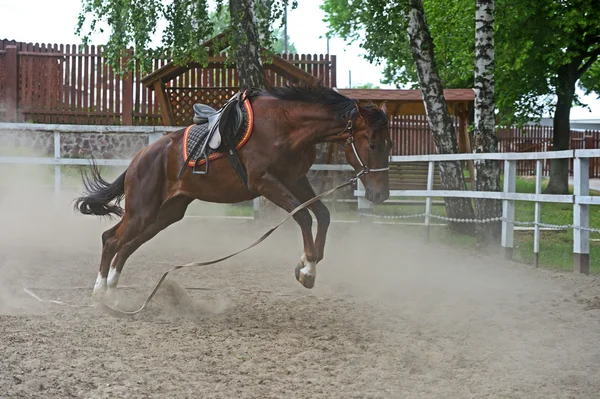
245 44
559 168
444 134
487 173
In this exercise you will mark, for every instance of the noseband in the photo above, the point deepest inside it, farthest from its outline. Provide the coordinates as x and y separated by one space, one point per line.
350 141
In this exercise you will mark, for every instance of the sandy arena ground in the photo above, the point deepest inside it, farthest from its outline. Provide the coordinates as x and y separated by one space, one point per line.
390 317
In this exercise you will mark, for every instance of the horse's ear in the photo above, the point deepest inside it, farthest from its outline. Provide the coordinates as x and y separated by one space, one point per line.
356 111
384 108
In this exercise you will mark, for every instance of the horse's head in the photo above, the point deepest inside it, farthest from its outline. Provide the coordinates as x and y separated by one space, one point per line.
368 148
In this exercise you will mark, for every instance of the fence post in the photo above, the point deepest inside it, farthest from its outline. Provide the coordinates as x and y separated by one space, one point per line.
581 216
11 83
589 144
154 136
364 205
57 175
508 208
333 71
537 212
430 171
127 110
256 206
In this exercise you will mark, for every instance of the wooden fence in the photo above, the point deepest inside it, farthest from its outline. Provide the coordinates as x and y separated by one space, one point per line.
539 139
412 136
70 84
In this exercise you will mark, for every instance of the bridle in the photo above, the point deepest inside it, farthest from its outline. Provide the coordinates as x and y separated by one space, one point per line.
350 141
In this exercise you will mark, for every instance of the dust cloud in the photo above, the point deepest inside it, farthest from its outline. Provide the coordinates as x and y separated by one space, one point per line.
389 317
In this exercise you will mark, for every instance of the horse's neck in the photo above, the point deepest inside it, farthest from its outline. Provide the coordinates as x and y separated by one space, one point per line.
323 128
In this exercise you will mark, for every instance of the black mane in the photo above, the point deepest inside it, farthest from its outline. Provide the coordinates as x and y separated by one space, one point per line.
316 93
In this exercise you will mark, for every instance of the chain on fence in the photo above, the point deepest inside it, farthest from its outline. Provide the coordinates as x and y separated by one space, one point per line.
488 220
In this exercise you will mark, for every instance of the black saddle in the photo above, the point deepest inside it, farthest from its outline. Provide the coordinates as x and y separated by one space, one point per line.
202 113
223 124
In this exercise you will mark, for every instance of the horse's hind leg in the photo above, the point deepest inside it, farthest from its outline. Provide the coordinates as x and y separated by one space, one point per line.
112 241
172 211
108 252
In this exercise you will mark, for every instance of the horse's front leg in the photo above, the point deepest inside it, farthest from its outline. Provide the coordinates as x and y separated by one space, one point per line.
275 191
304 191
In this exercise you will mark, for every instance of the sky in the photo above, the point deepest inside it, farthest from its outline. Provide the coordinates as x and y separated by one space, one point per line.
43 21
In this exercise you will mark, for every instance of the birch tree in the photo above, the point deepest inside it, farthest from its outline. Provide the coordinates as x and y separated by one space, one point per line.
246 44
438 116
487 173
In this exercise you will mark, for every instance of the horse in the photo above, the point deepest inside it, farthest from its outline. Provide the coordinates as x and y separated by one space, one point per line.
286 125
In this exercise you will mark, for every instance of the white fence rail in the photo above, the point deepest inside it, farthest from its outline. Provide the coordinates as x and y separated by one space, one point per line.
153 132
580 199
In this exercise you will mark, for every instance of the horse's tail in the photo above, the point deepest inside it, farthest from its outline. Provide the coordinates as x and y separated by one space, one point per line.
100 193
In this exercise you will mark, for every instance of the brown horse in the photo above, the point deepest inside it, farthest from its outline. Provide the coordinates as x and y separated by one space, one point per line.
288 122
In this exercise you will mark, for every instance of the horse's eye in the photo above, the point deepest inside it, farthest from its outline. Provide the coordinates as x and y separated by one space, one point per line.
372 146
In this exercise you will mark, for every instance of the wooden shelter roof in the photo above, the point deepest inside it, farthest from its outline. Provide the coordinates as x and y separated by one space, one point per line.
410 102
217 44
405 95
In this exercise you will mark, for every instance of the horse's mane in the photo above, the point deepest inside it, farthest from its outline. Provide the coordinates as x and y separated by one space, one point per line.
317 93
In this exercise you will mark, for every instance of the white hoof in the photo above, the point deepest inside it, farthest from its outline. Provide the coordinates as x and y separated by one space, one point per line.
113 278
306 272
100 287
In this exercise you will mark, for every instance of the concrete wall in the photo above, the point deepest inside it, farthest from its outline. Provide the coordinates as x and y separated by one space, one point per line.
118 142
76 141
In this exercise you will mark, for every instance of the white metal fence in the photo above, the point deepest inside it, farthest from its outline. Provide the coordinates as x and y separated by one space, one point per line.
580 199
153 132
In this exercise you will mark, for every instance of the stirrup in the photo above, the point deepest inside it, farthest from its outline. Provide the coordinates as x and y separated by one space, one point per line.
200 171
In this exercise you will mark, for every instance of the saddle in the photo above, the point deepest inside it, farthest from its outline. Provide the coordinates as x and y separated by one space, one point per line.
204 113
223 126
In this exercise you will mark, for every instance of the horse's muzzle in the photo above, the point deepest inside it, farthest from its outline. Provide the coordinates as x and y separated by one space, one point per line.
378 197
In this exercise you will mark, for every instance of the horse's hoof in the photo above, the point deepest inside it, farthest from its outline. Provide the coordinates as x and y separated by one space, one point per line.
307 280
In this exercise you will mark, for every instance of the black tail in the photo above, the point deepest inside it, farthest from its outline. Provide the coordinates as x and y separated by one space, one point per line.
100 193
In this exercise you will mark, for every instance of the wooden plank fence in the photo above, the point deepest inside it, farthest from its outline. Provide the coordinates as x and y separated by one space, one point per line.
71 84
411 135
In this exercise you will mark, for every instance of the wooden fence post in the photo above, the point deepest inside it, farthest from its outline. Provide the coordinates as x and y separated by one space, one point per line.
581 216
333 71
508 208
127 109
588 144
11 83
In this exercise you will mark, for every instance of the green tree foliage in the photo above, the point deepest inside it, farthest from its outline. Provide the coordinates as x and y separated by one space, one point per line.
367 85
533 38
188 25
542 48
221 21
279 44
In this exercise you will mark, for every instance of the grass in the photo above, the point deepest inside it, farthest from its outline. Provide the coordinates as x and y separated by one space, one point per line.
556 247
